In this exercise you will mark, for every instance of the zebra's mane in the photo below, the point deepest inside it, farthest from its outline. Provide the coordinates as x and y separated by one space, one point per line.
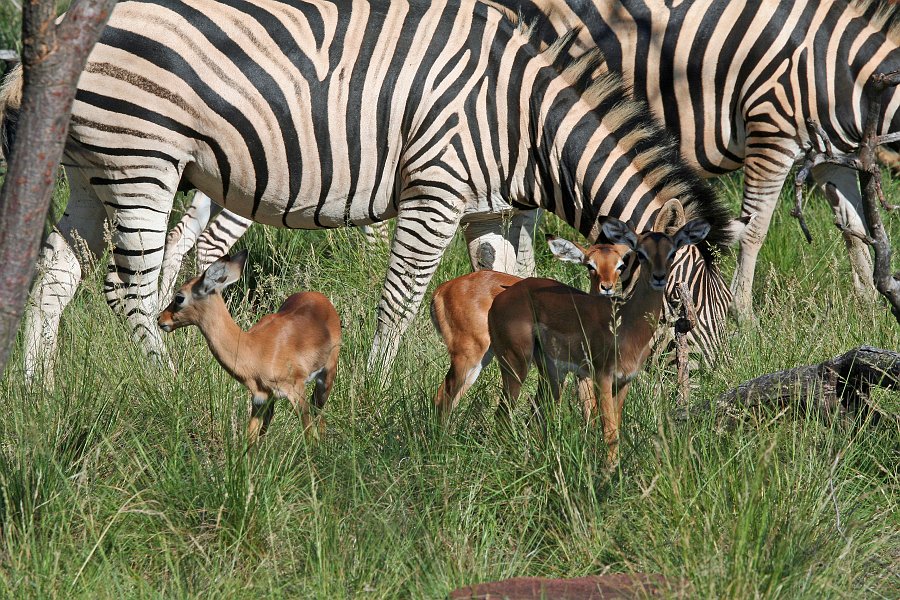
651 148
10 99
883 15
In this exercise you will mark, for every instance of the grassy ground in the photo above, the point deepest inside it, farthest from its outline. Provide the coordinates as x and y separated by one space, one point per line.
127 482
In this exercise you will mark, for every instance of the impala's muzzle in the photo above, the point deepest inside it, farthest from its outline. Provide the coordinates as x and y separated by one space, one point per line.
165 321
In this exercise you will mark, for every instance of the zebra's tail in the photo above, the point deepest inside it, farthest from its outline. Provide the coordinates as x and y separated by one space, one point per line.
10 101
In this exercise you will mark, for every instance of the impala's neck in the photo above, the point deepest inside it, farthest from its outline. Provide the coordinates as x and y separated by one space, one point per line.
639 314
226 340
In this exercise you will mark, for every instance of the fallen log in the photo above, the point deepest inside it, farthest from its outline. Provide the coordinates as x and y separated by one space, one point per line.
605 587
834 388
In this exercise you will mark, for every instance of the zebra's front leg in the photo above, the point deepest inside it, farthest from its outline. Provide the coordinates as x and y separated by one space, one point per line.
846 203
425 228
77 237
131 285
181 239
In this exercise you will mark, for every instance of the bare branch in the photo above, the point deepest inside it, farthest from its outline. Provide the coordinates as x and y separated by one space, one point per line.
829 152
870 184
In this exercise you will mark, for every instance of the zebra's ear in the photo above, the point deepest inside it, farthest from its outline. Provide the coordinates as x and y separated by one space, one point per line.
221 274
670 217
565 250
693 232
618 232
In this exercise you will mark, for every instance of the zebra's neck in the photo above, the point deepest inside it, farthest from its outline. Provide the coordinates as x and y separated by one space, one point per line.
593 151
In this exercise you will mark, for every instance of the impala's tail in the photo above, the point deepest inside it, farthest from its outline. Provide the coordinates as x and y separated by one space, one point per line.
10 100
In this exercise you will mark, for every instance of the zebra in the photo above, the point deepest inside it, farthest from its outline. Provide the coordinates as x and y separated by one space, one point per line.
736 82
439 114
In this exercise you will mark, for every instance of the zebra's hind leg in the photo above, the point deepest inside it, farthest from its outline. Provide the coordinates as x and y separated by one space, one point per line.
377 233
139 209
490 242
846 203
181 239
223 232
424 230
78 236
763 179
526 222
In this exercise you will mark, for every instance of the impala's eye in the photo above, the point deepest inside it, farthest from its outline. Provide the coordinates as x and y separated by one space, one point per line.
180 299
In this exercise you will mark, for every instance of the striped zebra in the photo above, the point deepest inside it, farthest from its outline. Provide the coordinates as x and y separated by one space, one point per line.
318 115
736 82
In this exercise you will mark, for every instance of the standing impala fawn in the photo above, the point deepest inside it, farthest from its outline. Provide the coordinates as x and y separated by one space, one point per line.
565 330
276 357
459 310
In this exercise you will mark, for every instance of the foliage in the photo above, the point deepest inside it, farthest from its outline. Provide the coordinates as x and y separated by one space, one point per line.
127 481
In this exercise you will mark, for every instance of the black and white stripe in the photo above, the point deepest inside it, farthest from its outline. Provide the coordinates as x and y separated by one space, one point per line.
321 115
736 82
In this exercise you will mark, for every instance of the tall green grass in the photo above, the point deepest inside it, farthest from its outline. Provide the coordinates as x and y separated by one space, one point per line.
127 481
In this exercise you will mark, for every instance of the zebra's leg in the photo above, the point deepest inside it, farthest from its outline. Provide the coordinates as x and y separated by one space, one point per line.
488 240
181 239
59 272
377 233
223 232
424 230
525 222
138 240
763 179
846 203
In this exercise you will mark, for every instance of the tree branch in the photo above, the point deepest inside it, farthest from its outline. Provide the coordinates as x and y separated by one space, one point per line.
870 183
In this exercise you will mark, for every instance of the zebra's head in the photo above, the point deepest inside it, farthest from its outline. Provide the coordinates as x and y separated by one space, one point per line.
193 299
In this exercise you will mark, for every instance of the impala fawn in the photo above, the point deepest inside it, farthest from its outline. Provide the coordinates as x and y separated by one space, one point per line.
276 357
459 310
565 330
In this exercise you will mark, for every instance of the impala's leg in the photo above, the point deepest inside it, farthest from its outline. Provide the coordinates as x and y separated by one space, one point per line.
262 409
588 396
214 243
548 392
324 381
465 367
609 409
181 239
513 371
488 240
764 176
297 397
78 236
846 203
425 226
139 208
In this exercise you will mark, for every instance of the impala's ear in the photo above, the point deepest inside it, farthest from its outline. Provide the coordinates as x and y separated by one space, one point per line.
670 217
221 274
565 250
620 233
693 232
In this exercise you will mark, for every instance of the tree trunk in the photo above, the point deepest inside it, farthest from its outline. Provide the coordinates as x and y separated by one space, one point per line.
836 387
53 57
